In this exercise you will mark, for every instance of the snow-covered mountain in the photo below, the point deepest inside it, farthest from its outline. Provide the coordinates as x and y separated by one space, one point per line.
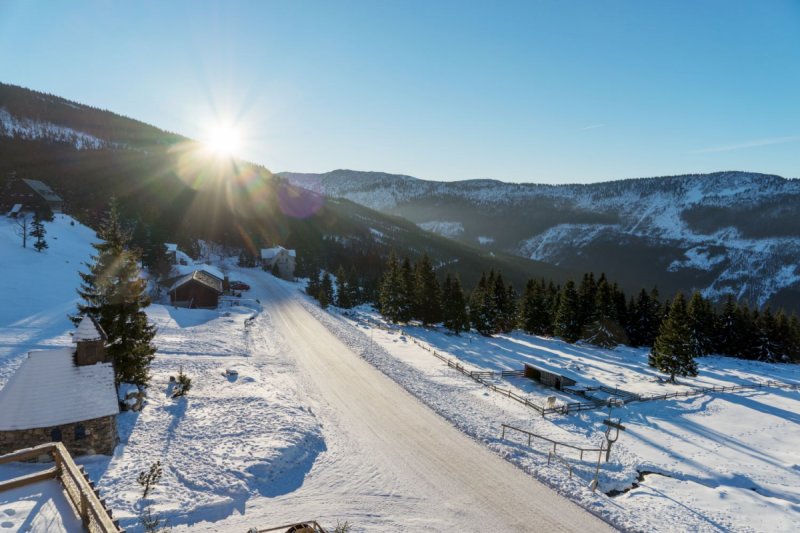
726 232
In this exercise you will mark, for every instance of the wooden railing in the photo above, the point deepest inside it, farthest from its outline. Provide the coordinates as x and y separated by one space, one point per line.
554 442
297 527
81 493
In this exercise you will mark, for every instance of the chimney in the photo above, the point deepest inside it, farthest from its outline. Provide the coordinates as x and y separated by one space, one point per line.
90 340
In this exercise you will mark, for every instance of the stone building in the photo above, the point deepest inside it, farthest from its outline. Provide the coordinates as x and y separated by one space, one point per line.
67 395
282 257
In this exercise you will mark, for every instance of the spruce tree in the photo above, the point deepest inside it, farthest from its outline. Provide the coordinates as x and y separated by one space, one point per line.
408 292
390 296
672 351
726 333
534 312
38 232
603 328
343 289
114 294
482 311
566 323
454 307
314 283
326 290
700 318
427 293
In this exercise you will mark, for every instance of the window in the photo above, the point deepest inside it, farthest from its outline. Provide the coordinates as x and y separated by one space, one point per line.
80 432
55 435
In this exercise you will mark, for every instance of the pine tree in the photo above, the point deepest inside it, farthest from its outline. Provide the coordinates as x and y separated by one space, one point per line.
727 332
390 297
700 318
408 309
427 293
672 351
326 290
768 346
38 232
113 293
454 308
603 327
482 311
314 283
587 297
343 289
566 323
534 315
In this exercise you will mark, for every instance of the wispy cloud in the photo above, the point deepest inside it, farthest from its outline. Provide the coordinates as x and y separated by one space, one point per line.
591 127
748 144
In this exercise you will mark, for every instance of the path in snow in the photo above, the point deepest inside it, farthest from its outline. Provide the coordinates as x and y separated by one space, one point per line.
390 461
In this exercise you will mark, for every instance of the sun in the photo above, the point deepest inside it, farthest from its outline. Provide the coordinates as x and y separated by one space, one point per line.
223 140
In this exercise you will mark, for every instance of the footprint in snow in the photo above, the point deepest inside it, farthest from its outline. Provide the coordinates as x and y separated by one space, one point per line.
7 525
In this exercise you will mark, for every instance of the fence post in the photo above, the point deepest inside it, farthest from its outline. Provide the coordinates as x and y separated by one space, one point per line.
504 432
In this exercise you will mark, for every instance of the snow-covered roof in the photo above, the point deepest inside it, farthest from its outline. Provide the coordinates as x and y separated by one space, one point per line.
200 276
88 330
16 209
171 247
48 390
188 269
269 253
43 190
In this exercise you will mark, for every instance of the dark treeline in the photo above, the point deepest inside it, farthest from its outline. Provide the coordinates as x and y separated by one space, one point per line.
595 311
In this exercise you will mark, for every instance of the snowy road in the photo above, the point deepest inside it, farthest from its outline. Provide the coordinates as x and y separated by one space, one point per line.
391 461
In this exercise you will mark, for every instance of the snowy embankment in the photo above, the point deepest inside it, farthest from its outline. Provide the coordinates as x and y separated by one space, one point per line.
235 437
722 462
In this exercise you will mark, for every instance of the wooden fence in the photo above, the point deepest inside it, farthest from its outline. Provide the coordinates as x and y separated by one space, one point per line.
81 493
572 407
531 436
298 527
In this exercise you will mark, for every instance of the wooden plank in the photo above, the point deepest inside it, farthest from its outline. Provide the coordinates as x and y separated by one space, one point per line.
50 473
27 454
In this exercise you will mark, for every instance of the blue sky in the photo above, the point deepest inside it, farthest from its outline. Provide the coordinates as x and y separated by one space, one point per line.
543 91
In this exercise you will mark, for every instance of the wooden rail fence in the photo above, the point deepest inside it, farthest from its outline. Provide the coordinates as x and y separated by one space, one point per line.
81 493
531 436
572 407
298 527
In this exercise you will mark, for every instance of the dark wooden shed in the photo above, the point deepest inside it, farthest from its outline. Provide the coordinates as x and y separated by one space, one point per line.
198 289
31 195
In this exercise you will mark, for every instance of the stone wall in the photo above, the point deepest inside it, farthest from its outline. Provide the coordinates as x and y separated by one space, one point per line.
96 436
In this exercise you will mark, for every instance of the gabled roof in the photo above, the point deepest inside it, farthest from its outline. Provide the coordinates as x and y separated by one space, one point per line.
208 269
43 190
171 247
201 277
269 253
48 389
89 330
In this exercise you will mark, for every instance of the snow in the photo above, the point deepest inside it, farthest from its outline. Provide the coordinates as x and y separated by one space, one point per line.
738 445
48 389
26 128
298 413
483 241
443 228
185 270
269 253
40 506
87 331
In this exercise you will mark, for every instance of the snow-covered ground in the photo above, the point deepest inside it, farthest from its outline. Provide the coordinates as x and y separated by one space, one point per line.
305 428
40 506
709 463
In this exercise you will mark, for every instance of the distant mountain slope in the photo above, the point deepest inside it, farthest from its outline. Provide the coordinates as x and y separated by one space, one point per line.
178 192
727 232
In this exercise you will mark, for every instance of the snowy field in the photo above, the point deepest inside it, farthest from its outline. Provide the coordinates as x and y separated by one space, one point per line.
259 447
720 462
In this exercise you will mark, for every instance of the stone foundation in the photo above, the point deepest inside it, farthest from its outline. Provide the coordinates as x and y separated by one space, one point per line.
96 436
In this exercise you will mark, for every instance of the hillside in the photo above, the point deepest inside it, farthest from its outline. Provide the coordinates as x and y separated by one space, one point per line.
734 232
172 190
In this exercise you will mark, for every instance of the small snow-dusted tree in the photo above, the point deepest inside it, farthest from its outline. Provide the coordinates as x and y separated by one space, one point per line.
183 385
149 478
22 229
38 232
672 351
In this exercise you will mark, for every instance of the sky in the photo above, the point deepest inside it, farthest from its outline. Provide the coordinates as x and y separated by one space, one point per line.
534 91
